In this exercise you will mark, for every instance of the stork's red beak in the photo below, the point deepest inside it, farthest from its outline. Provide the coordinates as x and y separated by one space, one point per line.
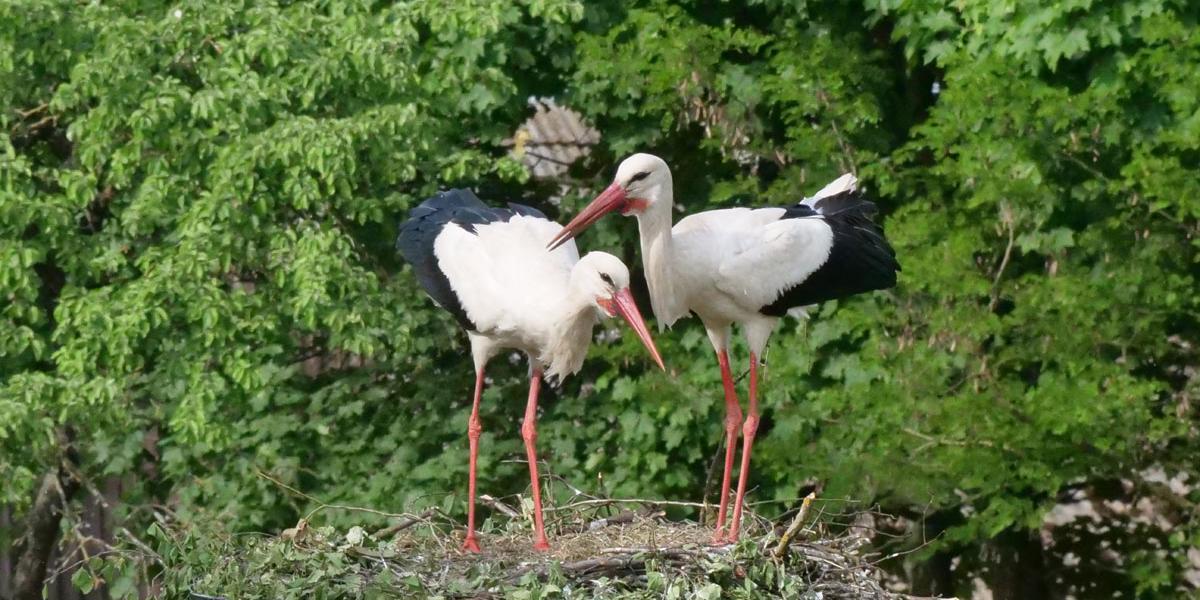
622 304
612 198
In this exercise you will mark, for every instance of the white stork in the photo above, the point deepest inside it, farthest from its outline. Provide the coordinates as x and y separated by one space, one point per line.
745 266
490 269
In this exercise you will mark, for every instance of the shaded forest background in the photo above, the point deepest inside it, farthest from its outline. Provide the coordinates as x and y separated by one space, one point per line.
198 199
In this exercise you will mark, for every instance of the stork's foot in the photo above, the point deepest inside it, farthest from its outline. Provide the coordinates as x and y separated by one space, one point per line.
471 544
541 545
720 539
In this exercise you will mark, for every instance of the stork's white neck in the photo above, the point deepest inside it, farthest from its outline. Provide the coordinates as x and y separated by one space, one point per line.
569 334
654 226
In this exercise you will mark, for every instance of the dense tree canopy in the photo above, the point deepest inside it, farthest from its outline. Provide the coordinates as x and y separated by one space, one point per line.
198 202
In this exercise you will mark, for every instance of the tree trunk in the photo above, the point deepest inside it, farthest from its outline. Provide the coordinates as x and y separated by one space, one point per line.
42 526
5 552
1014 566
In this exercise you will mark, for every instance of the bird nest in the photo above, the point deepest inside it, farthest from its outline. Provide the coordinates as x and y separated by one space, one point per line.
599 549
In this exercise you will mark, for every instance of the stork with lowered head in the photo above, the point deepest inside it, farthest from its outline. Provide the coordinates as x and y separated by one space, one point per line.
489 268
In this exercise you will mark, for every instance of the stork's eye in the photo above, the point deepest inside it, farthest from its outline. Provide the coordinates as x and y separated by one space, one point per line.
606 278
639 176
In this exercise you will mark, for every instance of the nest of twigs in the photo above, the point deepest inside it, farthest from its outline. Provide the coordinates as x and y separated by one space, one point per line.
599 549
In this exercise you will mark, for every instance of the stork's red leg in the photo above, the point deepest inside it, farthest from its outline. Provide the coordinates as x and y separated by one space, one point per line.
474 428
529 432
748 430
733 420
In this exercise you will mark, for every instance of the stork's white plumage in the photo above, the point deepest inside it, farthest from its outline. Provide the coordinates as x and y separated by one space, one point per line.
490 269
745 266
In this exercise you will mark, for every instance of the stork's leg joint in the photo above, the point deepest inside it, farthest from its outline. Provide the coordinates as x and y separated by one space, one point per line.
474 427
733 419
750 427
529 432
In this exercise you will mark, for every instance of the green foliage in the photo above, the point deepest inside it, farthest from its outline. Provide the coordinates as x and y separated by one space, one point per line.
1042 185
198 199
197 205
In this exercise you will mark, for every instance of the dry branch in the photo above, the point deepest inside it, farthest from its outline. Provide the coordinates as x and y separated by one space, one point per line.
405 523
499 506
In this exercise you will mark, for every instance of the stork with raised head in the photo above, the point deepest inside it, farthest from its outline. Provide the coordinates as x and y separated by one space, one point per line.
745 266
489 268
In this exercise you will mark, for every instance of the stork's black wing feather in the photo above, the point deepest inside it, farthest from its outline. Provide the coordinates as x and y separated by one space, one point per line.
416 241
526 211
860 260
419 233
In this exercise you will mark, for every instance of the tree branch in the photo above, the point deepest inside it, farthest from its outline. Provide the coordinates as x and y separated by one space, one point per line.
1003 264
786 538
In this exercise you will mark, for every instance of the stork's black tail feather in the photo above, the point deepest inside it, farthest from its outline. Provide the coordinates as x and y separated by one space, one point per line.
847 201
860 259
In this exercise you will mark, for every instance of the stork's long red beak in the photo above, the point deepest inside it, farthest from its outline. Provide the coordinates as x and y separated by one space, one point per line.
612 198
625 306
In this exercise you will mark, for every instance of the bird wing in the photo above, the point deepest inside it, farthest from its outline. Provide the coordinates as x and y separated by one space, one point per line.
818 249
760 263
501 272
472 258
416 239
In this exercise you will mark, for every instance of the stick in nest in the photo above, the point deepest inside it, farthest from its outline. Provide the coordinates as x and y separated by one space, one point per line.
406 523
786 538
622 518
499 506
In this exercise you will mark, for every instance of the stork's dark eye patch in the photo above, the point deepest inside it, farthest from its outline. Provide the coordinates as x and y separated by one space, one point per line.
606 278
639 176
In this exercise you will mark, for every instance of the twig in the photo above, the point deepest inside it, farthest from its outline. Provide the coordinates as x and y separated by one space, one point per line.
786 538
924 544
25 114
503 508
603 501
407 522
198 596
143 547
813 553
322 505
711 478
837 133
46 120
668 552
1086 167
1003 262
621 518
932 441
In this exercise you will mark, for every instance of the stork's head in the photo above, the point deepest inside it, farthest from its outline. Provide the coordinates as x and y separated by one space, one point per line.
605 281
642 184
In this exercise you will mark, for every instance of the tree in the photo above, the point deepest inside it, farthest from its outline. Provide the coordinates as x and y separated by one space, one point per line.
197 198
1034 162
197 206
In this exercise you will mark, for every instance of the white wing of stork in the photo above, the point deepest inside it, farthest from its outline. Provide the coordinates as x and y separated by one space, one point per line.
776 250
502 275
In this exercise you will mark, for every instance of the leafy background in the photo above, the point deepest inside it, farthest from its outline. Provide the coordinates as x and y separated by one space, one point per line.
198 201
